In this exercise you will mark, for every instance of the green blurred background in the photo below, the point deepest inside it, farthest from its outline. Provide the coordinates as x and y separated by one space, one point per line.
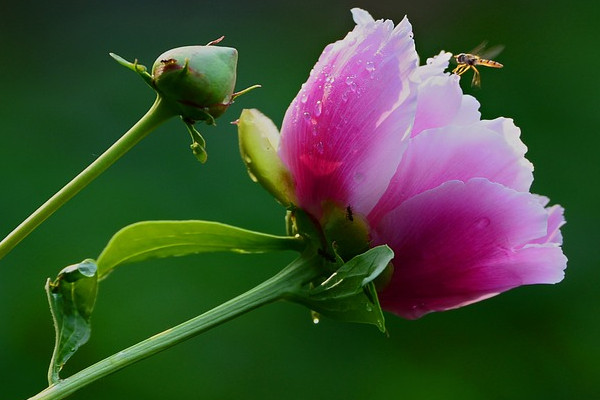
63 101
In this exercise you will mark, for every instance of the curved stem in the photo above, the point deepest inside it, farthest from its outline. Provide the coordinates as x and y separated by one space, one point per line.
158 113
278 287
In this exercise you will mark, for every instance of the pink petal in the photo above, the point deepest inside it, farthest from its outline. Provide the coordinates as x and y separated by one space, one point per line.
556 219
438 103
440 99
468 112
342 134
463 242
434 67
457 153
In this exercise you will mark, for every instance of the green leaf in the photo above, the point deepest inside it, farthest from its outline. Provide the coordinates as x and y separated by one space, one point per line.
157 239
71 296
349 293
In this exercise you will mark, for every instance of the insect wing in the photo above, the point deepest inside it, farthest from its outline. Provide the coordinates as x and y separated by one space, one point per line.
480 47
491 53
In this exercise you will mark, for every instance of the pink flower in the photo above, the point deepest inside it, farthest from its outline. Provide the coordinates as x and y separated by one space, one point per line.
402 146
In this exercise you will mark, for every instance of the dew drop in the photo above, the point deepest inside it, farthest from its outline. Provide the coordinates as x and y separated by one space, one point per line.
370 67
306 116
319 147
329 83
369 308
482 223
345 96
304 98
253 177
350 82
318 108
316 318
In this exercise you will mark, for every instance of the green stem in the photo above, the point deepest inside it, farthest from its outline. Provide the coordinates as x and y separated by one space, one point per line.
280 286
158 113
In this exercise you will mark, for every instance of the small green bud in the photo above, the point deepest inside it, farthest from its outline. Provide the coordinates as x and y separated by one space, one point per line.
194 82
198 80
259 142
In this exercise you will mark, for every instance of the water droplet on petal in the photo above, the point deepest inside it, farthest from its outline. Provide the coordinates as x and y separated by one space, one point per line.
318 108
304 98
345 96
328 83
350 82
482 223
370 66
319 147
306 116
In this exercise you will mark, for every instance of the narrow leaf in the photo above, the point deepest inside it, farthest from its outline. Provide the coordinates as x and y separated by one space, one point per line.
349 293
71 296
157 239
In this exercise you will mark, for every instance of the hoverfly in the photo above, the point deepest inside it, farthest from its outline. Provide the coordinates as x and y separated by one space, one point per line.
477 56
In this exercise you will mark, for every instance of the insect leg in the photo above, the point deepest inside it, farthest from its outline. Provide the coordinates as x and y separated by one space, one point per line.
476 78
461 69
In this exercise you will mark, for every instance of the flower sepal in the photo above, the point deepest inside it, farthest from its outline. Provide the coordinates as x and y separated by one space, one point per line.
349 294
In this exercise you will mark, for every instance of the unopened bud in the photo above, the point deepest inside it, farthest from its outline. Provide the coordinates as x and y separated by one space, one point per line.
198 80
259 142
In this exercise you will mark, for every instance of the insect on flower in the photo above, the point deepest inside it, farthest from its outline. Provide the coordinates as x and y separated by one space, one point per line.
477 56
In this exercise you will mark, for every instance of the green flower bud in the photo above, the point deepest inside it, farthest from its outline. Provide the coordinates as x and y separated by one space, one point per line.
194 82
197 80
259 142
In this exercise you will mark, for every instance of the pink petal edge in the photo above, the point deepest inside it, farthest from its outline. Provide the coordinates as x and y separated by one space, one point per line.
463 242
